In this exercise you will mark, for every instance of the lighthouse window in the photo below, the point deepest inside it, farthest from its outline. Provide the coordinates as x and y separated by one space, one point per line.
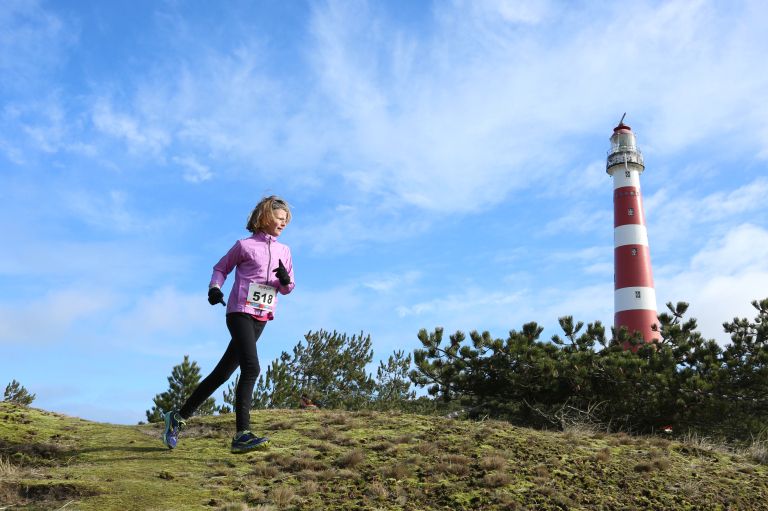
637 294
634 251
631 212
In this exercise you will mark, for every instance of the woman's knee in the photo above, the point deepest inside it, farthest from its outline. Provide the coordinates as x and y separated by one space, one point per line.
249 371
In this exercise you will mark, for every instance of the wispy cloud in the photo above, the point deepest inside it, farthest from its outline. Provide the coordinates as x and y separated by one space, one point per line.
721 279
386 283
63 309
194 171
32 43
454 127
673 214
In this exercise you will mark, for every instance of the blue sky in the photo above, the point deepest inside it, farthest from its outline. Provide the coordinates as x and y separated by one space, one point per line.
445 162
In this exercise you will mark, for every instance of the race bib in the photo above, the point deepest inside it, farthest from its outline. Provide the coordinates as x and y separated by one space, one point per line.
261 297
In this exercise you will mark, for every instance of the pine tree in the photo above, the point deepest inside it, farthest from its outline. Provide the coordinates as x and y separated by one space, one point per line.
331 368
182 382
392 383
229 397
17 394
278 387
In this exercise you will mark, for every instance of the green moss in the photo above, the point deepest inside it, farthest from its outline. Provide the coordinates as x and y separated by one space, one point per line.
52 459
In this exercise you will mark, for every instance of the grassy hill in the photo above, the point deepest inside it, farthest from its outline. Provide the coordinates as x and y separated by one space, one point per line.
365 460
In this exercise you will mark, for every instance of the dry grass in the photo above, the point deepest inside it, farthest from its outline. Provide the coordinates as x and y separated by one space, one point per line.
396 471
308 488
7 469
351 459
255 495
282 496
643 467
378 491
297 463
265 471
322 447
426 448
493 463
324 433
307 475
603 455
338 419
234 506
660 463
280 425
383 446
541 471
458 469
459 459
496 479
758 452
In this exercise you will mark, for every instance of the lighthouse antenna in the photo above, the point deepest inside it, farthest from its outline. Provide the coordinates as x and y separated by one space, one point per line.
622 119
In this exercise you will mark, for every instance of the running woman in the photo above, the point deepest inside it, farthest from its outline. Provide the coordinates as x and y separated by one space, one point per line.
264 269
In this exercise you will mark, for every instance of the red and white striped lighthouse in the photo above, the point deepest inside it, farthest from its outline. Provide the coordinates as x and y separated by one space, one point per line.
634 297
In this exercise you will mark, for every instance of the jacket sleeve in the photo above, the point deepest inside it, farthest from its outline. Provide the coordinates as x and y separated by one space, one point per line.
288 263
225 265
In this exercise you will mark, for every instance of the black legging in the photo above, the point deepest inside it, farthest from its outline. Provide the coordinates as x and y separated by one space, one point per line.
241 352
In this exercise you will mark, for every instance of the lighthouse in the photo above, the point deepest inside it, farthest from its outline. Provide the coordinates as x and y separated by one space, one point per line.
634 297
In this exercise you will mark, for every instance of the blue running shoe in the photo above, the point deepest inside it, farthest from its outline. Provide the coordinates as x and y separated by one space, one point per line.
173 424
245 441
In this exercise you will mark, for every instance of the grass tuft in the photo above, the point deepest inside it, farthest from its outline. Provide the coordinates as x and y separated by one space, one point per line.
396 471
282 496
426 448
308 488
264 471
603 455
323 433
496 479
493 463
351 459
378 491
7 469
758 452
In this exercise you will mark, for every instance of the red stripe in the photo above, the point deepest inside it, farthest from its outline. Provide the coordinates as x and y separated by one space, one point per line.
632 270
638 320
624 199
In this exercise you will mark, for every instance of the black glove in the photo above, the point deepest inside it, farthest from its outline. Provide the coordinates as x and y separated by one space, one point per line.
282 274
216 296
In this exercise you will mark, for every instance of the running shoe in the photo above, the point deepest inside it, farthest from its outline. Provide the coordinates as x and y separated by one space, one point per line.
245 441
173 424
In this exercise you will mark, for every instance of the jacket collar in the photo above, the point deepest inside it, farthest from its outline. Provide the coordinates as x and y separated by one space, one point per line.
263 236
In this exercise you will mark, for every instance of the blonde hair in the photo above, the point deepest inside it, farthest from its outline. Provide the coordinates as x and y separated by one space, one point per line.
263 215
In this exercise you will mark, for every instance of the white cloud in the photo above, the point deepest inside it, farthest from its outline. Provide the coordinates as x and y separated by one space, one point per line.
139 136
387 283
453 132
166 322
674 214
32 41
52 317
113 211
194 172
721 279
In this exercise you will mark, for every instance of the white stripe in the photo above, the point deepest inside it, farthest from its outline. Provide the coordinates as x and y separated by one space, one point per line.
620 178
630 234
626 299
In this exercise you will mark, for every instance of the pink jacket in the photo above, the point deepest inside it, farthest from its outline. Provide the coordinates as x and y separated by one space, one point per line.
256 259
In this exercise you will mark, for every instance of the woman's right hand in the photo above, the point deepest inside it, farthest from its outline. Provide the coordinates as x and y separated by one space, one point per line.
215 296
